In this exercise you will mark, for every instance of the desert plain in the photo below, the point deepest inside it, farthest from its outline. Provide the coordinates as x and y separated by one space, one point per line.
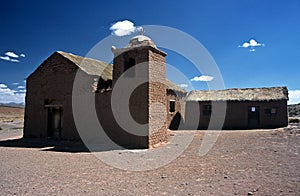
241 162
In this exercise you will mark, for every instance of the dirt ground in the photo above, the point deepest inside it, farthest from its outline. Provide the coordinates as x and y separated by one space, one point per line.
11 113
258 162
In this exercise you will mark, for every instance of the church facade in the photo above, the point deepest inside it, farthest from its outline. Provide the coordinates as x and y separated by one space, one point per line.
157 103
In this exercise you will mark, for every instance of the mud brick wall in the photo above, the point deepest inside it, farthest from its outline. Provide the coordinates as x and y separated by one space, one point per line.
139 97
175 120
157 98
52 84
112 128
237 114
281 117
149 99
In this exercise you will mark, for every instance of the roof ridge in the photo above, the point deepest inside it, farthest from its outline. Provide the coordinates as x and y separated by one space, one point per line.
75 55
88 65
240 94
248 88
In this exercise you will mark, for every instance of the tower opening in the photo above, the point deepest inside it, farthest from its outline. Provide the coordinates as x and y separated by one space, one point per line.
130 63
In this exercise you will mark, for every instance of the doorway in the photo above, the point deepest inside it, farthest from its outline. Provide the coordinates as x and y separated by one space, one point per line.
55 122
253 117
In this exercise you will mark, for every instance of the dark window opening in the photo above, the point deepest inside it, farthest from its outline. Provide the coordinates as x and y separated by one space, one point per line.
172 106
104 85
129 64
206 110
271 111
47 101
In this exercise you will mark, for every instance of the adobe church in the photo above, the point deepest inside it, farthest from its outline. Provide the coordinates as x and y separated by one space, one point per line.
49 113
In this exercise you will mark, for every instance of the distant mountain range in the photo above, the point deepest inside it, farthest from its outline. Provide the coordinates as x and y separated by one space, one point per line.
12 104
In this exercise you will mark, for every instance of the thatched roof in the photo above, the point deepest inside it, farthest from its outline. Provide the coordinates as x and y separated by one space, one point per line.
172 86
90 66
235 94
97 68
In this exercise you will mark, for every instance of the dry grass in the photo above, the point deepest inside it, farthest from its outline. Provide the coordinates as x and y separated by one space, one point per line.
235 94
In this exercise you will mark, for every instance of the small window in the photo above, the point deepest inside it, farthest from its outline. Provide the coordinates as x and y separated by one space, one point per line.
103 85
271 111
268 111
253 109
172 105
207 110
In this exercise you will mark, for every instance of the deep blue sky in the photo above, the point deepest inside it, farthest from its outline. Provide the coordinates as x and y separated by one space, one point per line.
38 28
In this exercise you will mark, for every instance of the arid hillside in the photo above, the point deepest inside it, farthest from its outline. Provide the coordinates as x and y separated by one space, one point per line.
294 110
8 113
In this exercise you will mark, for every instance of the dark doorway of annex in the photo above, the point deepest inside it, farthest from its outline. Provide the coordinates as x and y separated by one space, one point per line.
55 122
253 117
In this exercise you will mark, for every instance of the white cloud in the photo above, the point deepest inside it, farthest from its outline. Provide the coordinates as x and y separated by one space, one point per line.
12 54
6 58
254 43
14 60
15 83
21 87
12 57
203 78
245 45
22 91
294 96
3 86
251 44
183 85
8 95
6 91
122 28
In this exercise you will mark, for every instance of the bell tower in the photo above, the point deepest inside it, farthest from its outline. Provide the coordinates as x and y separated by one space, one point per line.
142 65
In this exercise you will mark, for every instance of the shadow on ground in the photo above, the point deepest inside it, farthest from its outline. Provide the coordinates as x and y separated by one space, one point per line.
51 145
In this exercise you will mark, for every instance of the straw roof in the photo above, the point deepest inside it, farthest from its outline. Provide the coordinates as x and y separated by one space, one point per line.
97 68
90 66
172 86
235 94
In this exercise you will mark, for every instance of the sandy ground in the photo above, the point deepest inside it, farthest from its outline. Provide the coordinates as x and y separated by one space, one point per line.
10 113
259 162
